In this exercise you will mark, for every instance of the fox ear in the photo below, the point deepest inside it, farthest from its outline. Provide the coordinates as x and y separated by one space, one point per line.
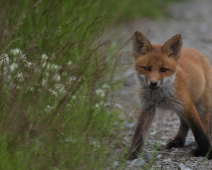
173 46
140 44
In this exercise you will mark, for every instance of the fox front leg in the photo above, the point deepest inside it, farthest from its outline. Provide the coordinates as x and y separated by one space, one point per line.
180 138
143 123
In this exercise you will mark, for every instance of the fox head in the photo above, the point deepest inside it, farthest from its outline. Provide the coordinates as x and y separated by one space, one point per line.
156 64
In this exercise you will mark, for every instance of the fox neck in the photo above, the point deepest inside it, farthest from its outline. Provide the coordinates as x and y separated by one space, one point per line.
163 97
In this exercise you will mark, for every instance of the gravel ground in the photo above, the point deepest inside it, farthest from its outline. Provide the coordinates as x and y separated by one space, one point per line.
193 20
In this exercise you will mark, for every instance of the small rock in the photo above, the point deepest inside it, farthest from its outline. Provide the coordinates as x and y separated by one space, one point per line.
193 164
115 163
183 167
153 133
189 141
147 156
163 143
200 159
137 162
175 150
167 161
165 137
129 125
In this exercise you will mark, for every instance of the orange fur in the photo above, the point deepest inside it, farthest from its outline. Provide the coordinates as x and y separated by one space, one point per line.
175 79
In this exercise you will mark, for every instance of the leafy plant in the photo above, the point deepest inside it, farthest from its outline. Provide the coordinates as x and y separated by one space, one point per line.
55 76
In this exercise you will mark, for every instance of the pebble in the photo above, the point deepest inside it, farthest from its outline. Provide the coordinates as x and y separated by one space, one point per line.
153 133
167 161
129 125
189 141
115 163
183 167
200 159
175 150
137 162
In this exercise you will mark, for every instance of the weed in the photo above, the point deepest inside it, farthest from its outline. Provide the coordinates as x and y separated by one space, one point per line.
55 78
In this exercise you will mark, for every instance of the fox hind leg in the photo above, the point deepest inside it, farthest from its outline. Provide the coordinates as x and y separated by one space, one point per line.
203 107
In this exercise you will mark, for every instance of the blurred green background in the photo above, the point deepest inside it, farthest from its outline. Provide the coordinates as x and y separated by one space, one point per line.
56 75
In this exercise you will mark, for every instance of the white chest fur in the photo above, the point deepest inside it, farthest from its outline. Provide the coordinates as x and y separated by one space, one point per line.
163 97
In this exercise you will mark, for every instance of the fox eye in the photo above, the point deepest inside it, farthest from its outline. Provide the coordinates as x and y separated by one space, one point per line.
146 68
163 70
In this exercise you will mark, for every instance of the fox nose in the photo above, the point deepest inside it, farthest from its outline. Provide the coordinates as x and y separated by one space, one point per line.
153 83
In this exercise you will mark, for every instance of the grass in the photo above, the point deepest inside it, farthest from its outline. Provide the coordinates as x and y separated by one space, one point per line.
55 77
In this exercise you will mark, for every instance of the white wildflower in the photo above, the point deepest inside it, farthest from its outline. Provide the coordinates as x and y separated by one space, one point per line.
48 108
44 81
118 106
9 77
47 66
46 74
70 140
36 69
59 29
95 143
20 77
69 62
73 97
4 59
29 64
100 92
15 51
31 88
60 88
106 86
54 93
72 78
54 67
44 57
43 65
97 105
57 77
22 56
13 67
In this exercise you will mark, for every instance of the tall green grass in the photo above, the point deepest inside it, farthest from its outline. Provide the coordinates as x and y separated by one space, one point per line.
55 77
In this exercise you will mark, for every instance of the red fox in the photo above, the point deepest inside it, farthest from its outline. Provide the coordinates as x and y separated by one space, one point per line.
174 79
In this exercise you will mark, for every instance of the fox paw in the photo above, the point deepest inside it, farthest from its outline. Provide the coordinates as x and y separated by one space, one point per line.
175 143
197 152
131 156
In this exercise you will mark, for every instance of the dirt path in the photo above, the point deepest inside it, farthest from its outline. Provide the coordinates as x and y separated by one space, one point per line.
193 20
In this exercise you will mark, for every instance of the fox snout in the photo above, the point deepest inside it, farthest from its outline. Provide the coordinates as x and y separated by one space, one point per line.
152 84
